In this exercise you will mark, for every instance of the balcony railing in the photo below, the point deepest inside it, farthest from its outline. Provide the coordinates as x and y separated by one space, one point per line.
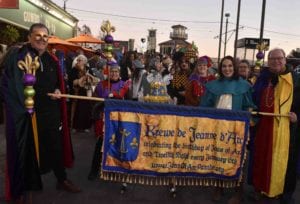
178 35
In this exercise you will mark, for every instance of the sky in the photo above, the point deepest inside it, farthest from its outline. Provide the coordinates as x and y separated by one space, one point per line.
133 19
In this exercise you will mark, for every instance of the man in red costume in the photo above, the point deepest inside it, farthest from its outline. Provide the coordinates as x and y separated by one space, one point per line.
55 148
276 141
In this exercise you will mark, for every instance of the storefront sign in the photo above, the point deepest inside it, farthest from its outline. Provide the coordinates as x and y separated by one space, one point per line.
9 4
28 13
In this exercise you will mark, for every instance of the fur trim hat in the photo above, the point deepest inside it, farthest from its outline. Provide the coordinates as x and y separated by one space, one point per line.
205 60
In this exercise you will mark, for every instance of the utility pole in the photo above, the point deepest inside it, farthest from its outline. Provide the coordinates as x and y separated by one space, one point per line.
261 46
262 22
220 35
237 29
65 1
225 41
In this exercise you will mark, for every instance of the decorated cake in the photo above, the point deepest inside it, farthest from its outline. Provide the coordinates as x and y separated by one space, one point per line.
158 93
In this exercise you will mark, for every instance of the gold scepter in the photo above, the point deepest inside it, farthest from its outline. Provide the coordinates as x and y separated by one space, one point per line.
29 66
107 28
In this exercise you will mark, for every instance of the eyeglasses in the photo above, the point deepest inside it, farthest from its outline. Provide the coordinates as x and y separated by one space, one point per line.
40 37
276 58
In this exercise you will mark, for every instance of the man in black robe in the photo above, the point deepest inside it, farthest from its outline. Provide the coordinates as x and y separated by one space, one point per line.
55 148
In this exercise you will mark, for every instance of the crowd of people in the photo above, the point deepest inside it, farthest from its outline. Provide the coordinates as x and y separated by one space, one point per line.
274 142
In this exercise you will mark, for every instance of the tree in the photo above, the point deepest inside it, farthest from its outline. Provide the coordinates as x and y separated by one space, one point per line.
9 35
86 29
294 53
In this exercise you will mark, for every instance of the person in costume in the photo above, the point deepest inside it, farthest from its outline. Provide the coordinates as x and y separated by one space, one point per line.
228 92
55 148
126 65
157 73
81 82
200 76
138 75
114 88
178 84
276 143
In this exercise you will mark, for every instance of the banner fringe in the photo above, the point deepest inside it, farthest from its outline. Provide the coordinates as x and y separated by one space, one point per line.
164 180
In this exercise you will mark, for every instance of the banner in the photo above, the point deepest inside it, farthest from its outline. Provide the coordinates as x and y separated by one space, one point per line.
159 144
9 4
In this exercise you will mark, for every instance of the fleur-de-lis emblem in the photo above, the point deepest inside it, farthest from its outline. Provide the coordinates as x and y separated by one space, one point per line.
113 139
107 28
262 46
28 65
134 143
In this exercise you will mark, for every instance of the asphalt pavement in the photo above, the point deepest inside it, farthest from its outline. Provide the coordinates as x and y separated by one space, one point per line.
106 192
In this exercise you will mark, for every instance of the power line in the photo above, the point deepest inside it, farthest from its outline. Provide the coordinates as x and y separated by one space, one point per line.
177 21
143 18
270 31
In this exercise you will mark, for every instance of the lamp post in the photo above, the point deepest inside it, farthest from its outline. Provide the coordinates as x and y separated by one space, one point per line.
225 41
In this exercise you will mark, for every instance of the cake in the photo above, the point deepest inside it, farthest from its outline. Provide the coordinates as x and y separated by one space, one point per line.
158 93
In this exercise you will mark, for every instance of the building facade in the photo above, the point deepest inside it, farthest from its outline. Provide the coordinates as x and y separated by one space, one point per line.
59 22
178 39
151 40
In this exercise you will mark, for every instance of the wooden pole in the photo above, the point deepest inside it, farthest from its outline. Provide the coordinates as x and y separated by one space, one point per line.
270 114
76 97
102 99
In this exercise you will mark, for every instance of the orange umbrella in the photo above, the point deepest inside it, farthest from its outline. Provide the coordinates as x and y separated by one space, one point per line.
85 38
88 52
54 40
59 44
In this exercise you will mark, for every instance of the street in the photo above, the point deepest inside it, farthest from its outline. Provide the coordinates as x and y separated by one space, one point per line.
100 191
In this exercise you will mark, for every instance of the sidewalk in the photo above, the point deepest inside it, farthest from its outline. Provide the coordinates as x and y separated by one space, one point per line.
109 192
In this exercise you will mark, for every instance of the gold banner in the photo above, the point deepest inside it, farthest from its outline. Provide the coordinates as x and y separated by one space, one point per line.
185 147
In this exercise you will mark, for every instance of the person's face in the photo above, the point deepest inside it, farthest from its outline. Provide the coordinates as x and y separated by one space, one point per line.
202 69
39 39
244 70
158 66
227 68
53 51
131 57
80 63
184 65
276 61
114 74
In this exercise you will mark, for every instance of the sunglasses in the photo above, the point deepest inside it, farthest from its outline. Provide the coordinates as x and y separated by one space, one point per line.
39 37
